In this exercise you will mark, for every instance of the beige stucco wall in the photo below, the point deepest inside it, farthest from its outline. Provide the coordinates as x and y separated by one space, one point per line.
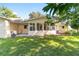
21 29
4 28
59 27
7 27
18 28
13 27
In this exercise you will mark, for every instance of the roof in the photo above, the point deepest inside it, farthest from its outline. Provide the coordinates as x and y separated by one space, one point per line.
54 18
36 18
13 20
4 18
20 21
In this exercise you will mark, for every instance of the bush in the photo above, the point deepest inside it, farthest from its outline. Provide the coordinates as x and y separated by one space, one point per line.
73 32
67 33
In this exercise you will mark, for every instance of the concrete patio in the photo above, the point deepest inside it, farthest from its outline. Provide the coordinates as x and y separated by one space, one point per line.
21 35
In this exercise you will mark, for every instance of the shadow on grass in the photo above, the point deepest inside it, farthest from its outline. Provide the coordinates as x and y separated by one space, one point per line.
41 46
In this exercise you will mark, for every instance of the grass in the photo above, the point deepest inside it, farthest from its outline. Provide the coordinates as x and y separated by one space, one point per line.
40 46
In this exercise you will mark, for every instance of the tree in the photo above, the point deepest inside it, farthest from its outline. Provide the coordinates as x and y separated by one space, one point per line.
35 15
75 24
65 11
58 8
5 12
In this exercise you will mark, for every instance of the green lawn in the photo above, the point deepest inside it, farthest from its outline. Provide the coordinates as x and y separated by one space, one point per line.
40 46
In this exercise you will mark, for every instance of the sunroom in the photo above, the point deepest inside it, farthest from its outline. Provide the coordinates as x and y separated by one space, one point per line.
40 27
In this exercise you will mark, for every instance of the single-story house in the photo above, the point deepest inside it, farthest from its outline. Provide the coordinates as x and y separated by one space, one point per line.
31 27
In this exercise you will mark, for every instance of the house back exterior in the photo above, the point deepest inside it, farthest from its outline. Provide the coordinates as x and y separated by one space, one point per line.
31 27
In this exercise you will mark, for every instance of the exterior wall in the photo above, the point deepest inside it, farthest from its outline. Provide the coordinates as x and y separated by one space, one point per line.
21 29
42 33
13 27
4 29
17 28
7 27
59 27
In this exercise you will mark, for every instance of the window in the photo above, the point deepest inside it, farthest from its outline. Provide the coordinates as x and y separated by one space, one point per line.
63 27
39 26
32 26
52 26
25 26
46 27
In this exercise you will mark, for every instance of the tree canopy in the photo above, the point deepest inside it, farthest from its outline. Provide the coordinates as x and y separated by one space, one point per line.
65 11
5 12
35 15
59 8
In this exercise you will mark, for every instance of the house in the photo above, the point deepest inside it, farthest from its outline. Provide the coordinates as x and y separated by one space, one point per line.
35 26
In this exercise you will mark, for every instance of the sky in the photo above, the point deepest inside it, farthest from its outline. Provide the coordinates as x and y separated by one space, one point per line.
23 9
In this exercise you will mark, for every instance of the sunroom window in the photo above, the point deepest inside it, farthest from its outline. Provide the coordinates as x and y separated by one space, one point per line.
39 26
46 26
32 26
52 26
25 26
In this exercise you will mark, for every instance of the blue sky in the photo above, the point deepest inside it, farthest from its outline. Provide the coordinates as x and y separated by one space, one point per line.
23 9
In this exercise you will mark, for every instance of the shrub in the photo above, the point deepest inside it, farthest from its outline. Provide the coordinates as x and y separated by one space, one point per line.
73 32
